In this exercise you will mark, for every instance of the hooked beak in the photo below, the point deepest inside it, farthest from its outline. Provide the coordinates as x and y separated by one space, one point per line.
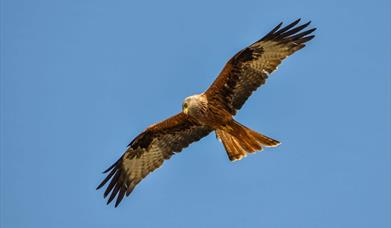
186 111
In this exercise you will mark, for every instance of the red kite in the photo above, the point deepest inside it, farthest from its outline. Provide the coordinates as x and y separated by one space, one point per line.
210 111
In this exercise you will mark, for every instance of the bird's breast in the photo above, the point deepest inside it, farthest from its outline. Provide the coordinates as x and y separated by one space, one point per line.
208 114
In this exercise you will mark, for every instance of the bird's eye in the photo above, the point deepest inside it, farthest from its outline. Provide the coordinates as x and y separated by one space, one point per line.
185 105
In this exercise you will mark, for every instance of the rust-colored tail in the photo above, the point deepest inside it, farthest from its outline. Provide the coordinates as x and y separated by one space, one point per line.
239 140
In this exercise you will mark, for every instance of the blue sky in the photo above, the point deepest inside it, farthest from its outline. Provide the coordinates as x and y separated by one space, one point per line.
80 79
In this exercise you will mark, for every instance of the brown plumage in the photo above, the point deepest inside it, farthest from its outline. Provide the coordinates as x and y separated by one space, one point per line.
210 111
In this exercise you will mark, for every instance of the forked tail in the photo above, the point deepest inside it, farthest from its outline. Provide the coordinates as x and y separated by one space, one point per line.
239 140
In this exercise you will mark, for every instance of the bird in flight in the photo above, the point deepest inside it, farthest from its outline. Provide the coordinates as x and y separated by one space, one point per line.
212 110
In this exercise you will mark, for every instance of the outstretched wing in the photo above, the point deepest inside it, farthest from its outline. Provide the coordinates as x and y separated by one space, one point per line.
148 151
250 67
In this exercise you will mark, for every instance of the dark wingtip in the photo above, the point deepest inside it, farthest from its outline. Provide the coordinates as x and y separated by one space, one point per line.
112 166
307 38
108 177
276 28
108 169
120 196
295 22
99 186
289 32
112 196
306 24
117 203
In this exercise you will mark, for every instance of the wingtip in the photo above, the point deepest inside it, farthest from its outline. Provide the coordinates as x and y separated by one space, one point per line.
113 165
277 27
306 24
99 186
108 169
105 194
117 203
294 23
110 199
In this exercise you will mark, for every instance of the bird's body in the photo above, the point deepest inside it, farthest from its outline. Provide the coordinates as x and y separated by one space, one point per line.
237 139
205 112
213 110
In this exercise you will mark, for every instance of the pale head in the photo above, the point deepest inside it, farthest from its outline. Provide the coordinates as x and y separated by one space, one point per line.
192 104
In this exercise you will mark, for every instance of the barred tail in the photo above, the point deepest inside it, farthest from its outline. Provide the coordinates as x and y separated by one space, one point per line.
239 140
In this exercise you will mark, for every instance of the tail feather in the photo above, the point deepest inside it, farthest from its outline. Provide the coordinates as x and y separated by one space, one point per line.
234 150
241 151
239 140
264 140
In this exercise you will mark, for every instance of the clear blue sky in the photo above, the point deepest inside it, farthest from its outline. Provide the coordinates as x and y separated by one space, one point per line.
80 79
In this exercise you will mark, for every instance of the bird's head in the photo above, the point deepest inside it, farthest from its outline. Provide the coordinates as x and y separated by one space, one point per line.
190 103
186 104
